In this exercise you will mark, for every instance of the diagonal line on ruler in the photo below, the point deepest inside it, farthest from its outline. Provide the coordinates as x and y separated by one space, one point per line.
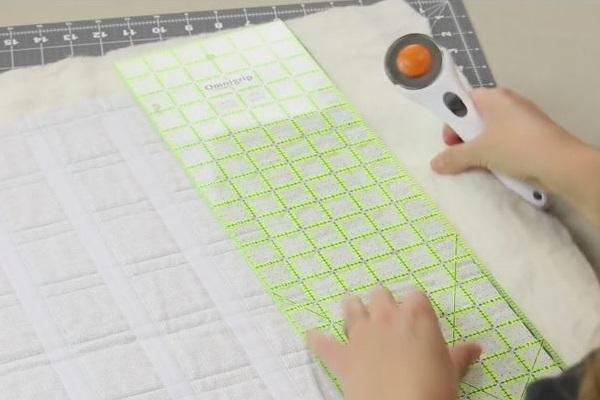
482 390
531 371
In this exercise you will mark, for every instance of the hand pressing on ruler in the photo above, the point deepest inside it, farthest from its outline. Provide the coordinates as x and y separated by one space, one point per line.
519 140
394 351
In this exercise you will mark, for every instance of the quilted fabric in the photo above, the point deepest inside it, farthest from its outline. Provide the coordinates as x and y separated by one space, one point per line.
111 270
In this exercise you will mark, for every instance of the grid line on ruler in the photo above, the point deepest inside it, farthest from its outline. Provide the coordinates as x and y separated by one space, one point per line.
314 200
40 44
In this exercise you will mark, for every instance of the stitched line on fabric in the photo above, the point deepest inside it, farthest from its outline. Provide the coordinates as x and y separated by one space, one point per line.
268 364
150 336
57 349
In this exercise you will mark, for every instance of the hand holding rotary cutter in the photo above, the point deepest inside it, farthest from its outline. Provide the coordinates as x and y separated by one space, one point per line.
427 75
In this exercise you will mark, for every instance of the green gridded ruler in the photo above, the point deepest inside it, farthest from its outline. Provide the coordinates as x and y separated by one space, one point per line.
315 201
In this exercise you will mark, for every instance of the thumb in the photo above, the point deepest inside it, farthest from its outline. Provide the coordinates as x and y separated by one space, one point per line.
463 355
328 350
458 158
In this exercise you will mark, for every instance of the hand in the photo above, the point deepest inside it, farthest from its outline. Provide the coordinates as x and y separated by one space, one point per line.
519 140
393 351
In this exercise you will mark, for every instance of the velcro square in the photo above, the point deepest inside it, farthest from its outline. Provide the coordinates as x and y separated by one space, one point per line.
197 112
253 139
230 63
276 274
355 226
185 94
402 236
282 131
418 257
279 224
297 149
227 104
285 89
340 255
324 286
386 217
210 129
341 159
310 215
307 265
354 134
256 96
236 166
263 253
311 168
355 178
202 70
312 123
416 208
264 204
280 176
328 97
387 267
326 141
295 195
355 278
325 186
314 81
325 235
266 157
341 116
239 121
272 72
371 246
174 77
223 147
371 197
250 185
269 113
293 244
297 106
340 206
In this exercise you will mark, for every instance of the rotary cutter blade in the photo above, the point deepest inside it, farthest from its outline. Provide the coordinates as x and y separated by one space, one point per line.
426 74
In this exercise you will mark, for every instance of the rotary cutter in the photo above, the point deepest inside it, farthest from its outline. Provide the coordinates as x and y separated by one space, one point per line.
427 75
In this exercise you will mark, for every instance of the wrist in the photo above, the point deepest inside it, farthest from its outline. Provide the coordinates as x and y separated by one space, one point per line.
577 179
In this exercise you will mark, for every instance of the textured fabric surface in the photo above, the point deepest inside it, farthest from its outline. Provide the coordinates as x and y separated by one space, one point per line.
108 276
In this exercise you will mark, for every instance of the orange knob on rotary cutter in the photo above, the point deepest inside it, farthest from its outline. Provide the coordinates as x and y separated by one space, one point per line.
425 73
414 60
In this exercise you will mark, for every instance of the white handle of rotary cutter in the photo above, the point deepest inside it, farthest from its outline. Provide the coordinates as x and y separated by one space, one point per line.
469 126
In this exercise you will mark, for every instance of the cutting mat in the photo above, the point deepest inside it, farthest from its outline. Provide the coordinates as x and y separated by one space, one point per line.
40 44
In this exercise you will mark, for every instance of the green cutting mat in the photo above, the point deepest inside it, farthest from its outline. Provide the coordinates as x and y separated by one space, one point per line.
315 201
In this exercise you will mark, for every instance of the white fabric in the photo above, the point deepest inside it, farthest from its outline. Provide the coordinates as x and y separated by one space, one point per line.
106 280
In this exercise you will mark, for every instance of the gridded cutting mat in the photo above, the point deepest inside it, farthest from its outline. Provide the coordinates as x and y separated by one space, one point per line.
40 44
316 202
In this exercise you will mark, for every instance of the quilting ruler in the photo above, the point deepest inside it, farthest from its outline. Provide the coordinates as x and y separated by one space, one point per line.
316 202
40 44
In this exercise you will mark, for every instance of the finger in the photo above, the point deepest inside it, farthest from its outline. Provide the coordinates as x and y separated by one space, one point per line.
328 350
382 303
450 137
459 158
463 355
354 312
419 312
